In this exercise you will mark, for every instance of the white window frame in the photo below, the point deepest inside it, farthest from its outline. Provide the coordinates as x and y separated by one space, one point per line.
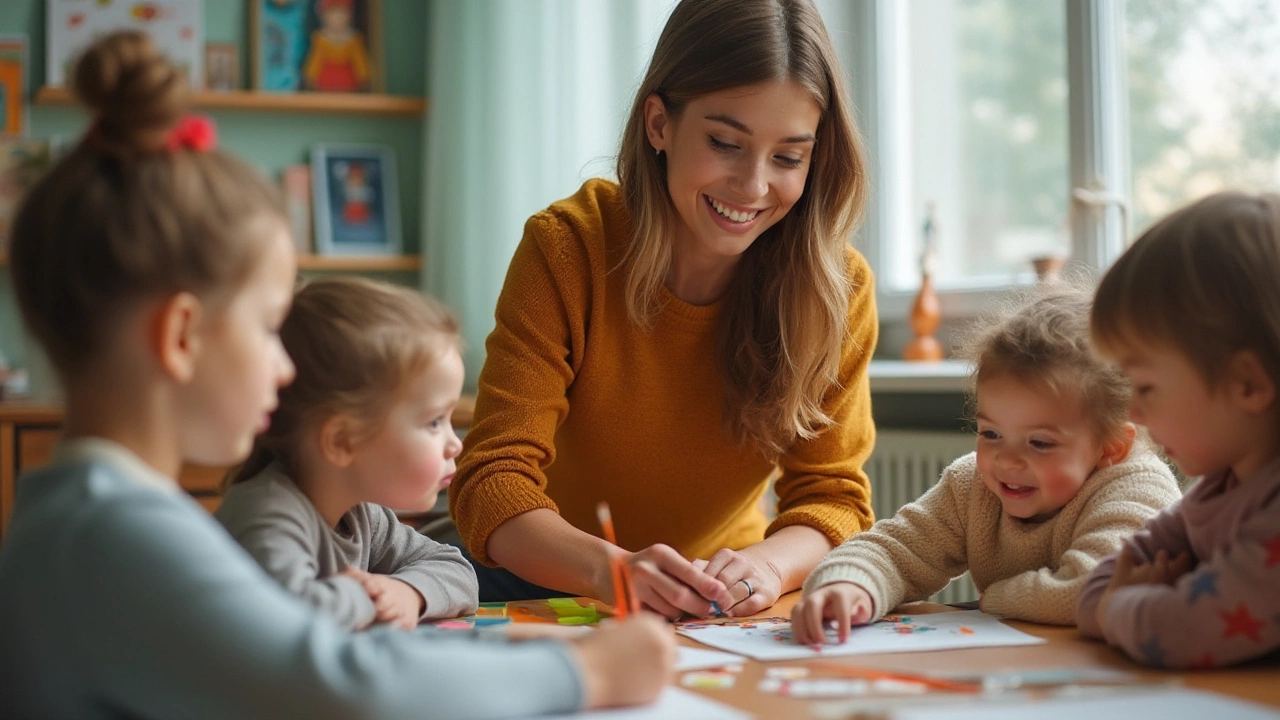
873 36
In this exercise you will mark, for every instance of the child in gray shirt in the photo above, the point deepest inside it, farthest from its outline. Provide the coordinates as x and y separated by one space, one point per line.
364 425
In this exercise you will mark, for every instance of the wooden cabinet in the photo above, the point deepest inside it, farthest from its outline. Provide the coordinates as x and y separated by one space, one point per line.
28 433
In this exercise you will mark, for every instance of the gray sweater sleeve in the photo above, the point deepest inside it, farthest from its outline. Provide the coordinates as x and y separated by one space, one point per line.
281 531
159 572
438 572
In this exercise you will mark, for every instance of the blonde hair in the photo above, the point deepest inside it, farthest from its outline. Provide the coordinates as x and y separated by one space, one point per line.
355 342
1042 339
786 311
1203 281
123 217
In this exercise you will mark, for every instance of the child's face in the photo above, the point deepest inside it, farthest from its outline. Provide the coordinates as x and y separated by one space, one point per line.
1035 448
411 458
242 363
747 149
1198 428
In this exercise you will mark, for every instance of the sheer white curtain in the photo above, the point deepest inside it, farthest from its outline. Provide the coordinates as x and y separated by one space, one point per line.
527 101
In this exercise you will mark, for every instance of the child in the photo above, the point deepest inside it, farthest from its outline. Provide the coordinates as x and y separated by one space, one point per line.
1056 483
364 425
1192 314
155 272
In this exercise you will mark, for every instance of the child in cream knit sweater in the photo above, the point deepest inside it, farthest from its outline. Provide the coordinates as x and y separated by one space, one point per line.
1057 481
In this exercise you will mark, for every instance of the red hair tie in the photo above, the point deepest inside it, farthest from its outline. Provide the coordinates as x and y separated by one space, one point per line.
194 132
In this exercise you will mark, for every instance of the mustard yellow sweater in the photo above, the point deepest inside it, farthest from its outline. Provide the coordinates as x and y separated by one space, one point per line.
577 405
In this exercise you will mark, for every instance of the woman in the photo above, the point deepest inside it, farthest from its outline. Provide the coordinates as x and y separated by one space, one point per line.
667 342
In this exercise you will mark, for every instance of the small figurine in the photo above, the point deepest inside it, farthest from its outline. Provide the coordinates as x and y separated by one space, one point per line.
926 314
338 60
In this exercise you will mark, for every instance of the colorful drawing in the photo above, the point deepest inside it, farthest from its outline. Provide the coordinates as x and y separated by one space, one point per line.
357 208
902 625
338 60
771 639
281 44
174 25
322 45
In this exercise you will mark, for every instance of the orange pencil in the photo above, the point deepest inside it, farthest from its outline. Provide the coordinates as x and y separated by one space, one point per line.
624 600
870 674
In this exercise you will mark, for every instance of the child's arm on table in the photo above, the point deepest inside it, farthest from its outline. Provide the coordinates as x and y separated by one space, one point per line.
1166 531
283 542
439 573
1221 613
154 570
904 558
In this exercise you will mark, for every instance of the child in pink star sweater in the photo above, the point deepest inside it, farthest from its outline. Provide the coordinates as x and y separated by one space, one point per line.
1191 313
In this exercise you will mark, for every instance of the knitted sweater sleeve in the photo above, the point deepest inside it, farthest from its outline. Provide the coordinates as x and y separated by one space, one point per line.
913 554
1223 612
522 389
1115 511
823 484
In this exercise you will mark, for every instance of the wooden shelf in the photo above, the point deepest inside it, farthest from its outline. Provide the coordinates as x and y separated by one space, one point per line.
328 263
249 100
390 263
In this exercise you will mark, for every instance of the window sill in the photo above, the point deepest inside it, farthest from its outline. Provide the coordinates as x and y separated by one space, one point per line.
943 376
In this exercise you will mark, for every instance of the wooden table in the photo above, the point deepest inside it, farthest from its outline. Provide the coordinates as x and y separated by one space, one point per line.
1065 648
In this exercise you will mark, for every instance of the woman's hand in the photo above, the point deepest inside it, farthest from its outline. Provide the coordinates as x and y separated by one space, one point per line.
753 584
671 586
844 602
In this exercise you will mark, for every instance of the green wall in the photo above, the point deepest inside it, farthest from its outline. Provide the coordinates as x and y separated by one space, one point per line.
268 140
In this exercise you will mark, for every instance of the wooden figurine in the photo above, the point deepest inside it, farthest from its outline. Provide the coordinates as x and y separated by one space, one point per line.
926 313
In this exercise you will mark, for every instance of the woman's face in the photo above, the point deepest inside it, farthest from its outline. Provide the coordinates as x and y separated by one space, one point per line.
737 161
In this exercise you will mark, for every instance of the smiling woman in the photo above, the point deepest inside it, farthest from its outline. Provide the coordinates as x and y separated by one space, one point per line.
676 338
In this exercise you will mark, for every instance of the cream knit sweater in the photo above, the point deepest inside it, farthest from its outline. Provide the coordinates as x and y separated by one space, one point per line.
1025 570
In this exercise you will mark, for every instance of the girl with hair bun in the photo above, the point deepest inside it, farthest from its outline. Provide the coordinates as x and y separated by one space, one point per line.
156 270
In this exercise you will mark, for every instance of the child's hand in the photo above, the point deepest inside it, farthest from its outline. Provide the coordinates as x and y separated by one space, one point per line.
394 600
1160 571
626 662
845 602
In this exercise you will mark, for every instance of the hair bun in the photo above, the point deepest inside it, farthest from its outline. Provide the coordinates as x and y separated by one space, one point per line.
135 94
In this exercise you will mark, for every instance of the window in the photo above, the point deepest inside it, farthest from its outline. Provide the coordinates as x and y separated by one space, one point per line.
1051 127
987 147
1204 100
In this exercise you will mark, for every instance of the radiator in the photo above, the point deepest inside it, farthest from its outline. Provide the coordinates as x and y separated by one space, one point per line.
903 466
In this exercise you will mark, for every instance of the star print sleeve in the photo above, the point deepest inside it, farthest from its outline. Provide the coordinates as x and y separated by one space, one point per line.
1166 531
1223 612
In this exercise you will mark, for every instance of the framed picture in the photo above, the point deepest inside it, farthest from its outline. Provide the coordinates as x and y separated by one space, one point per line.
13 62
357 209
221 66
317 45
174 25
22 162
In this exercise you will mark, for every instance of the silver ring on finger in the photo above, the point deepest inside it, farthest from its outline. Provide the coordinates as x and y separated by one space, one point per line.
750 591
